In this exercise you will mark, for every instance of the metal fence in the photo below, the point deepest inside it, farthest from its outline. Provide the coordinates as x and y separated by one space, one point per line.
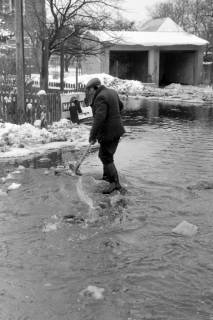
49 104
34 104
67 86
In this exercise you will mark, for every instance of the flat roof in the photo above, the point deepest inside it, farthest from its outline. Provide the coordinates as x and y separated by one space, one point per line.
148 39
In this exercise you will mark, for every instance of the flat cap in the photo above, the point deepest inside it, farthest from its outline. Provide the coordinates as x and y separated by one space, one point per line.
93 82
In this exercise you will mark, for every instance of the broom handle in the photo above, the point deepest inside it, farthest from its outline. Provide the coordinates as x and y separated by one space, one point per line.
83 157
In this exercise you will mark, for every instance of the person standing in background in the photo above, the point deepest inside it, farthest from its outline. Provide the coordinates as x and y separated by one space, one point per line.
74 109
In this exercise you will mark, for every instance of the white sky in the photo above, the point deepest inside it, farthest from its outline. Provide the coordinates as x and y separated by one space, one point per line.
136 9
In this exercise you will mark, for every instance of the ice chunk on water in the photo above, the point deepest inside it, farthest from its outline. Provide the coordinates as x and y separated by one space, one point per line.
94 292
50 227
14 186
186 229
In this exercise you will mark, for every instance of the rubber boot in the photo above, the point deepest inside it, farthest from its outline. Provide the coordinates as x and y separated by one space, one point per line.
113 179
105 173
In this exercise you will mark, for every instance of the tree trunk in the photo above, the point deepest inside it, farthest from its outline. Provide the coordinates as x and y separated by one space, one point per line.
62 68
44 54
20 77
44 65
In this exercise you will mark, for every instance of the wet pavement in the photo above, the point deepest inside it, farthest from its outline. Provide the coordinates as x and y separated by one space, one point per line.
60 235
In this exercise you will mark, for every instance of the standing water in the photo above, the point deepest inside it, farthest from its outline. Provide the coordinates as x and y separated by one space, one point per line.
130 258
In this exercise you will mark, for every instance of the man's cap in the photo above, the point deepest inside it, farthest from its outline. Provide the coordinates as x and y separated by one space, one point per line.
93 83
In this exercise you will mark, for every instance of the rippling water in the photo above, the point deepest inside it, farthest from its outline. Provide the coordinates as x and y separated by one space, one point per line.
147 271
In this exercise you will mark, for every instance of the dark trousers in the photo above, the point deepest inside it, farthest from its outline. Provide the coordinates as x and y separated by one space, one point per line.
107 150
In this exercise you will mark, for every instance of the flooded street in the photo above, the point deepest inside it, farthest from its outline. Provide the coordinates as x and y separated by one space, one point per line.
60 235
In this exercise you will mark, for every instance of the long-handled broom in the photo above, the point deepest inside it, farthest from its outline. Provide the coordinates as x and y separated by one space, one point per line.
77 166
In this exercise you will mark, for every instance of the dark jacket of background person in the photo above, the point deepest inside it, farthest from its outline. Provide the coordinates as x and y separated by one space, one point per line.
74 109
106 108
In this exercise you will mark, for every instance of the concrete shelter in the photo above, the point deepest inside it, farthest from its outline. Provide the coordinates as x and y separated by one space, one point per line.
161 53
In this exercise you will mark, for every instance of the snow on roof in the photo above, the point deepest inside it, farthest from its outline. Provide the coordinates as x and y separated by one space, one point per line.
161 25
148 39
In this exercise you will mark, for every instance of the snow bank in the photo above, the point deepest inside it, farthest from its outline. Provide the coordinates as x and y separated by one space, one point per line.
22 135
173 91
180 92
20 140
130 87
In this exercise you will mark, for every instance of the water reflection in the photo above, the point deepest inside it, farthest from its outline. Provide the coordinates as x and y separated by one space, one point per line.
154 111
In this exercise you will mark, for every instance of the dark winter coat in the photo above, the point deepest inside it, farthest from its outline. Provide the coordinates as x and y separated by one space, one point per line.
107 123
74 109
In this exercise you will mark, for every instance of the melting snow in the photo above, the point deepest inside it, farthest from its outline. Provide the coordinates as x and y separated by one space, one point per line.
24 140
14 186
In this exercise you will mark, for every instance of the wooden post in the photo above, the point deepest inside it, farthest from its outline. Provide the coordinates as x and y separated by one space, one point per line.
45 53
20 77
76 74
62 68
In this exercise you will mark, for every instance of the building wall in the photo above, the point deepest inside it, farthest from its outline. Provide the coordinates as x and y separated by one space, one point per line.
131 65
184 65
91 65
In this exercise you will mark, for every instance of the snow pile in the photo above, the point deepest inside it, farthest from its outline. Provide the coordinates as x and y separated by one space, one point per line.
104 78
65 131
22 135
173 91
27 136
177 91
41 93
130 87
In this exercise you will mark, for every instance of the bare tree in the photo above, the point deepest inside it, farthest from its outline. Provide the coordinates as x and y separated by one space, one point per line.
67 23
194 16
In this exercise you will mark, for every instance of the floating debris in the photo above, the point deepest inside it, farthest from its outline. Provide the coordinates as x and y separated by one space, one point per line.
50 227
201 185
71 218
186 229
94 292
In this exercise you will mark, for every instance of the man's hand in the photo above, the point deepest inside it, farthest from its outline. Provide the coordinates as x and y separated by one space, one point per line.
92 141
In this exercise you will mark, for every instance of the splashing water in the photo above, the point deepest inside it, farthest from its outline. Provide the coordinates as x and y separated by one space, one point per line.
84 197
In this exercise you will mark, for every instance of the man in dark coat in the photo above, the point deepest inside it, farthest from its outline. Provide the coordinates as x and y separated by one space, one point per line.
107 128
